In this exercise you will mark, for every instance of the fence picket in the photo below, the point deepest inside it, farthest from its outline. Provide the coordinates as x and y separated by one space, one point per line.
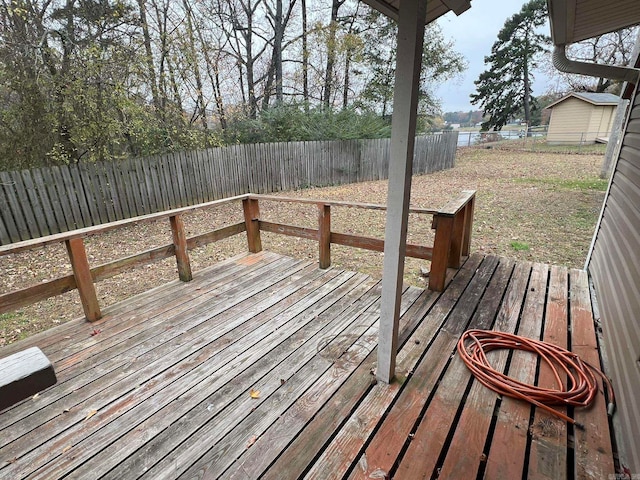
93 193
52 213
8 217
35 204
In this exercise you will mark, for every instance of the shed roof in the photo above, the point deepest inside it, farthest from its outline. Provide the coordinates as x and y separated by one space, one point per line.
589 97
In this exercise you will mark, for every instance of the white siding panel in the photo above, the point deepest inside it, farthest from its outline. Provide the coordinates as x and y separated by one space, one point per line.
615 270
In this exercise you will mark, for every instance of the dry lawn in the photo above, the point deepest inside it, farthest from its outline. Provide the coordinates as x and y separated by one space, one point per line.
531 206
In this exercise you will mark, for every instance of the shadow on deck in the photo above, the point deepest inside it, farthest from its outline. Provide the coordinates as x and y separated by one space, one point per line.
261 367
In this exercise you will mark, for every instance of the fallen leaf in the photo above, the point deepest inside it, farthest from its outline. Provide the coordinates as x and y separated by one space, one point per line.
378 473
66 410
90 414
12 460
96 331
251 441
66 449
254 393
282 381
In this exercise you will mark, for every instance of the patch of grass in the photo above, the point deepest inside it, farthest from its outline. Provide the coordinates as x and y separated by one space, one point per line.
584 218
591 149
15 325
6 318
585 185
539 144
519 246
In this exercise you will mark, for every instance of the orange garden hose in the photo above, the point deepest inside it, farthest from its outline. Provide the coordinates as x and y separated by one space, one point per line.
582 384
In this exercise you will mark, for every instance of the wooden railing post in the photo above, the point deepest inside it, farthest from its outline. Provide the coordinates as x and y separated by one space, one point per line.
84 280
457 239
468 228
251 220
324 235
441 248
180 245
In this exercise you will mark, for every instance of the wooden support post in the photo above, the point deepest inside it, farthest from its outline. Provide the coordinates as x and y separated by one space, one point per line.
468 229
441 249
180 245
403 130
457 239
84 280
251 220
324 235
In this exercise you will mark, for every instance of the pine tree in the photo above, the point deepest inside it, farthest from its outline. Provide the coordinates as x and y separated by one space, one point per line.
505 88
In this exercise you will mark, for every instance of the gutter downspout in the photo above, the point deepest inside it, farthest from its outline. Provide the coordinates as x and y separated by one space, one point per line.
562 63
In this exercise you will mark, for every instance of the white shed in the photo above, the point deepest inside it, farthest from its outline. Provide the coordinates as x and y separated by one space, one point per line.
581 117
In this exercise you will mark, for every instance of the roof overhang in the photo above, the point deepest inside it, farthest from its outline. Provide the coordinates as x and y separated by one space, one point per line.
435 8
576 20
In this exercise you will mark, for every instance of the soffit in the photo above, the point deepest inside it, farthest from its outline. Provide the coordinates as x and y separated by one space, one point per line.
576 20
435 8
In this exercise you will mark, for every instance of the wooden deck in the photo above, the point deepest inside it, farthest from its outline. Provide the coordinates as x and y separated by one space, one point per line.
261 367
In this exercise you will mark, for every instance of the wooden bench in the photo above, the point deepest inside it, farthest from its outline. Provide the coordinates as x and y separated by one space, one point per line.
24 374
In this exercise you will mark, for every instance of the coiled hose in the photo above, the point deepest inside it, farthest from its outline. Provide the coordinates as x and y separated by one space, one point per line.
582 384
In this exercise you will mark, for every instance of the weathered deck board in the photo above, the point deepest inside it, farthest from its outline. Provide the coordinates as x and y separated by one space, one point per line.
507 455
425 450
465 453
548 432
593 456
164 390
209 351
295 459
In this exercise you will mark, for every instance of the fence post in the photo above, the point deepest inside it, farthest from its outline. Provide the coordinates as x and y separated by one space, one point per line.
441 248
84 280
251 220
180 245
324 235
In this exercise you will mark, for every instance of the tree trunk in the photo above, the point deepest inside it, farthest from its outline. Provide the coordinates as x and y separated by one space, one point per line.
527 88
327 90
345 91
151 70
162 16
347 62
305 57
213 72
201 107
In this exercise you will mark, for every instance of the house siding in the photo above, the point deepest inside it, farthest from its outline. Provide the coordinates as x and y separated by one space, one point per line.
600 122
569 120
614 267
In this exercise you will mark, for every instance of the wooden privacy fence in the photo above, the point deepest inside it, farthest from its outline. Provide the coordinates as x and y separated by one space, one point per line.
45 201
453 225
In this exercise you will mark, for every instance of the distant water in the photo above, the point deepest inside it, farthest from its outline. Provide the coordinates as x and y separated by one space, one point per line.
467 139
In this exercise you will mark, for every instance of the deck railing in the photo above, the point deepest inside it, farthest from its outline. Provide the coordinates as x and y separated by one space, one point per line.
452 223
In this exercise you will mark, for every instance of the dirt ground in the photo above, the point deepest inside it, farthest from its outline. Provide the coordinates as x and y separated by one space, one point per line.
530 206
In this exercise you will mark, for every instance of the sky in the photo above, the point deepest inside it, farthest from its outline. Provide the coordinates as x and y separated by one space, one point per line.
474 32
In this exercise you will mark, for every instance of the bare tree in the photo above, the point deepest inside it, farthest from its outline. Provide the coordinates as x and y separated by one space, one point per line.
610 49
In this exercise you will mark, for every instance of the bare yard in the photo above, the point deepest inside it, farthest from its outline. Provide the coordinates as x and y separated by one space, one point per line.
531 206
